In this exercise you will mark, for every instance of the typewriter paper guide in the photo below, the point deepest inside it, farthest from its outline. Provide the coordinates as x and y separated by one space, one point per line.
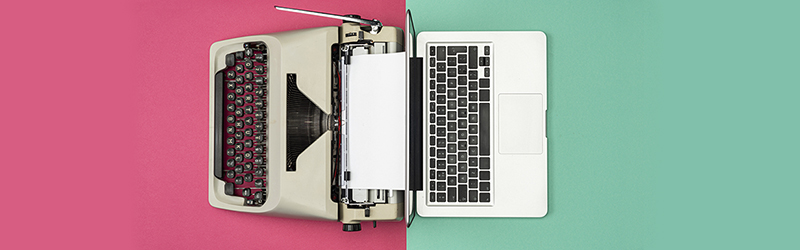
377 121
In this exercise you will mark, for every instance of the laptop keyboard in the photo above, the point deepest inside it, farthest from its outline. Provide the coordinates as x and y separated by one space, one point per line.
460 79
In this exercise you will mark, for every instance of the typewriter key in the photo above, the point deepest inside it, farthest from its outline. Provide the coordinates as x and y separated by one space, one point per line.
248 98
246 192
238 158
259 80
248 154
239 90
248 109
260 58
239 146
229 188
259 195
239 123
259 160
230 140
230 74
239 101
239 80
239 112
248 64
260 92
231 152
259 69
248 166
230 85
259 183
248 120
239 68
248 75
230 130
248 177
238 135
259 172
248 132
259 150
231 96
231 107
239 180
258 115
248 52
258 138
239 55
259 127
230 174
231 119
238 169
248 87
248 143
230 163
250 202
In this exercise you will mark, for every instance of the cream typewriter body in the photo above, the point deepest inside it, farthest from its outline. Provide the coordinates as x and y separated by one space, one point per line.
275 106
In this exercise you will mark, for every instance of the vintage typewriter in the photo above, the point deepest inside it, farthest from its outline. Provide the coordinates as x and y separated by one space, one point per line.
275 123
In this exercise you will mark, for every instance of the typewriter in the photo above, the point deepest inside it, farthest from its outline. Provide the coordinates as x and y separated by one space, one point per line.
275 118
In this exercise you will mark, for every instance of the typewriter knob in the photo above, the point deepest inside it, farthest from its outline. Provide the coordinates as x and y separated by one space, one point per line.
351 227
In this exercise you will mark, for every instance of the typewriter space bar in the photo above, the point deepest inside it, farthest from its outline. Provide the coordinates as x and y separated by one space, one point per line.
218 83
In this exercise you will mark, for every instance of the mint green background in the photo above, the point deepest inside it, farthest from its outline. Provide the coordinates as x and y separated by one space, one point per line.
671 125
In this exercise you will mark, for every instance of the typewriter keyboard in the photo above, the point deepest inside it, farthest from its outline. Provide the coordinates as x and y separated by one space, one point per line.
245 123
459 121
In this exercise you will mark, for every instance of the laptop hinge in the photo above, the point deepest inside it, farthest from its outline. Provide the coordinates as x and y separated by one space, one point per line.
415 123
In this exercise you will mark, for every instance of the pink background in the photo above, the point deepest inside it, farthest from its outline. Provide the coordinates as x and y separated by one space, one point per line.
105 126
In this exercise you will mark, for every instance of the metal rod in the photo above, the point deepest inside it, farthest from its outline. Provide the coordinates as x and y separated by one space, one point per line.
374 23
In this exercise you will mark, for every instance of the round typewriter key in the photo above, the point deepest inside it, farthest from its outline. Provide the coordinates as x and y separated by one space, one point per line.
248 166
239 146
259 172
238 135
259 127
239 79
239 180
239 90
259 183
260 91
248 132
258 115
230 130
230 74
248 75
238 169
231 152
248 109
248 154
258 161
239 112
258 103
230 85
248 120
231 107
248 87
231 119
239 124
230 174
248 64
250 203
239 101
248 98
259 69
248 177
259 150
259 195
246 192
239 55
248 52
230 140
239 68
238 158
260 57
259 80
258 138
231 96
230 163
248 143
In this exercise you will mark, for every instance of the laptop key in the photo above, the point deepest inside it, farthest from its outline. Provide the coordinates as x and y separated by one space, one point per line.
462 178
433 186
483 95
462 193
441 175
473 57
483 83
433 196
473 196
483 186
483 111
452 50
441 197
451 180
440 186
484 197
441 53
483 175
473 172
462 58
451 194
483 163
462 167
451 61
473 183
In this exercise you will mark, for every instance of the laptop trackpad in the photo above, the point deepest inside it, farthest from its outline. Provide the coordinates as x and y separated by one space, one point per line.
520 125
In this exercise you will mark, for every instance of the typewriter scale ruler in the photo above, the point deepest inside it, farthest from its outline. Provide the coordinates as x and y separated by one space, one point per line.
245 114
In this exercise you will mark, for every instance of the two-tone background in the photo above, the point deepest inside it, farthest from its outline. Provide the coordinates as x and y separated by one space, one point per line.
671 125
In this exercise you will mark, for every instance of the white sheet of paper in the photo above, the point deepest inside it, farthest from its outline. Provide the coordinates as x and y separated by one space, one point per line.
377 121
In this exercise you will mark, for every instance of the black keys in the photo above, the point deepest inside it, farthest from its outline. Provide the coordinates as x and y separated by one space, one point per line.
462 91
462 80
259 58
473 151
451 61
451 83
441 164
462 123
433 51
473 118
483 175
462 178
486 50
451 148
441 153
462 58
483 83
451 72
451 104
451 93
462 193
441 77
451 194
441 88
433 186
259 183
483 186
259 69
441 53
230 60
451 170
462 102
473 172
231 119
441 67
483 163
473 57
473 96
473 196
486 72
462 145
462 168
483 61
440 186
452 50
473 74
484 197
462 69
441 175
231 130
473 85
451 180
483 112
441 197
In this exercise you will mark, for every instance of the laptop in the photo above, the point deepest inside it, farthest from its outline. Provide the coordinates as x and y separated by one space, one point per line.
482 143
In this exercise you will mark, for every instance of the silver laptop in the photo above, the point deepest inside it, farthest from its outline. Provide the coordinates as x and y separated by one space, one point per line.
484 146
